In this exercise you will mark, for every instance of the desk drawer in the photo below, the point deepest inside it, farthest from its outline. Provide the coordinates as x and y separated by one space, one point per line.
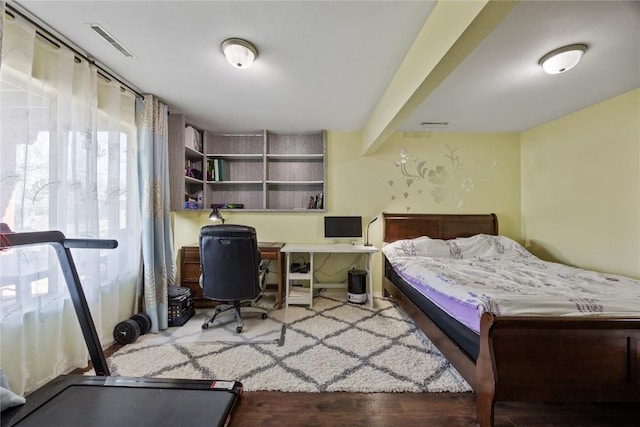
191 271
191 254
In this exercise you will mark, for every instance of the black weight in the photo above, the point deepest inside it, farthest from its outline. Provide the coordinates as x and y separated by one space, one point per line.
126 331
144 321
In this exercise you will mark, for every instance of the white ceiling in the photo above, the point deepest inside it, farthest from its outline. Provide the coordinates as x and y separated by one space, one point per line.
500 87
326 64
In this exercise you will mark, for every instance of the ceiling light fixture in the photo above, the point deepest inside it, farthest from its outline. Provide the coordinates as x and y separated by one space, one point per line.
563 59
240 53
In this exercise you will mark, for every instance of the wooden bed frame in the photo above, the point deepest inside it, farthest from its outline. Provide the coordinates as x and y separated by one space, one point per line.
526 358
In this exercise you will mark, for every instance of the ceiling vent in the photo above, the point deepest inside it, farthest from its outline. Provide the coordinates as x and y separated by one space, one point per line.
113 42
435 124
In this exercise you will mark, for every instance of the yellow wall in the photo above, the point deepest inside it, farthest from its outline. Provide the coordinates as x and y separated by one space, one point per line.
488 165
581 187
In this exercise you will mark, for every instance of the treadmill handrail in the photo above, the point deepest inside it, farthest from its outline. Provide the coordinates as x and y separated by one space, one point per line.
62 245
53 236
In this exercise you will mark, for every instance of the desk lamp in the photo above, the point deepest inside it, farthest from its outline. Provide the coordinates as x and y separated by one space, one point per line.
367 235
215 215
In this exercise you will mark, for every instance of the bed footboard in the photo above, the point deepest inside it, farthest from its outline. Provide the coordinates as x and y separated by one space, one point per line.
556 359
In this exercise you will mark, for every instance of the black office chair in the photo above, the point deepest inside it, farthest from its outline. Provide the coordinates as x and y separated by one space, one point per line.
231 270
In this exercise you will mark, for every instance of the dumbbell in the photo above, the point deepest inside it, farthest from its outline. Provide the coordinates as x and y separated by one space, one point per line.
129 330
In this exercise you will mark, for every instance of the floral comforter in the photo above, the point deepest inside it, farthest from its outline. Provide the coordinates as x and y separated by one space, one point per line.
498 275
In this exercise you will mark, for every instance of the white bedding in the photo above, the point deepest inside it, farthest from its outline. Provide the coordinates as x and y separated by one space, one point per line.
498 275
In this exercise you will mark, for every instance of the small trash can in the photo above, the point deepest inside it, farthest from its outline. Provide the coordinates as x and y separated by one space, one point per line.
357 288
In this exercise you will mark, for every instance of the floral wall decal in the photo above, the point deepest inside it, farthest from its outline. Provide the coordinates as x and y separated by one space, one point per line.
445 180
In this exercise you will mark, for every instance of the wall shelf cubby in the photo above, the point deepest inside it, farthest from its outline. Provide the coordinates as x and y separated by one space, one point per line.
182 157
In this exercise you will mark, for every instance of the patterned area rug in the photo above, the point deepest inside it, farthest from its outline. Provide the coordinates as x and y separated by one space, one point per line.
335 346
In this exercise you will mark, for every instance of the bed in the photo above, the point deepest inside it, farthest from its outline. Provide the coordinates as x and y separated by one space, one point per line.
518 358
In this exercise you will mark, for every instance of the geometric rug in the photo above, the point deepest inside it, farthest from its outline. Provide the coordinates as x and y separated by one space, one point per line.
334 346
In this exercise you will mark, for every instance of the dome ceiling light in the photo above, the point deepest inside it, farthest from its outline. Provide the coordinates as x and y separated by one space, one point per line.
563 59
240 53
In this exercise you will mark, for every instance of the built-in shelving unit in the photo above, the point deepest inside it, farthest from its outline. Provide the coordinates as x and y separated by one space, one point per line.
267 171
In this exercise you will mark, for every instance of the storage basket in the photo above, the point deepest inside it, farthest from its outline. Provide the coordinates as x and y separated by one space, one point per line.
180 305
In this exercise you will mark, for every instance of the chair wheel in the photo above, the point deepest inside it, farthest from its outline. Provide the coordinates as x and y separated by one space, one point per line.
264 315
238 329
205 326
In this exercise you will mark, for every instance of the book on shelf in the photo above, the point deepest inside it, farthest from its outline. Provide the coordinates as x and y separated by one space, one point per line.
209 170
221 171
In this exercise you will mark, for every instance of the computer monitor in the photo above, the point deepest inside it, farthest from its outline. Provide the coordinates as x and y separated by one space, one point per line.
343 227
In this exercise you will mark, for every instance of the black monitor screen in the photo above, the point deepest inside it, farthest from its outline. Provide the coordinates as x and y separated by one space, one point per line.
343 227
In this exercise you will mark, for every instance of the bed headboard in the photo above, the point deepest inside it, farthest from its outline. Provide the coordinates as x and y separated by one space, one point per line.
443 226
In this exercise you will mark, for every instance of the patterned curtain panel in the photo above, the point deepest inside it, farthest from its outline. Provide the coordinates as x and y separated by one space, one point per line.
68 163
157 247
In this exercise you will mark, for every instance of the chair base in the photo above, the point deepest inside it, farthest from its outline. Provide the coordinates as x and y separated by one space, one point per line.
236 308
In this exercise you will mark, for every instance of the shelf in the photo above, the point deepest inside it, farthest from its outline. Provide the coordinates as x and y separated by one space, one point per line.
192 154
233 182
299 296
295 156
227 156
189 180
296 210
300 276
295 182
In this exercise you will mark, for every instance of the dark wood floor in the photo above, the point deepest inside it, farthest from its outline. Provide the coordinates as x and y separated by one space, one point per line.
266 408
417 409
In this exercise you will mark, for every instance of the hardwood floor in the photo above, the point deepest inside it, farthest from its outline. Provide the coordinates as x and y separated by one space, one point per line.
417 409
267 408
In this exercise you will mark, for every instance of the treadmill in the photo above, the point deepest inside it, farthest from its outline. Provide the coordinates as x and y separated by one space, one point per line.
103 400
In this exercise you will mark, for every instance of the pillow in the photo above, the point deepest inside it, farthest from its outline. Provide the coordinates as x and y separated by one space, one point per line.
435 248
7 397
488 246
419 247
478 246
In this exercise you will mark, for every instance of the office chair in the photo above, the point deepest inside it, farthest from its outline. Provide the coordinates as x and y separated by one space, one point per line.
231 270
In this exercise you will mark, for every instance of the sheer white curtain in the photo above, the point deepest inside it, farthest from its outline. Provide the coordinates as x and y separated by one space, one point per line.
67 162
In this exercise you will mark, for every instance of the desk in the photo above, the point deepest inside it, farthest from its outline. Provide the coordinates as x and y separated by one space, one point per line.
305 296
190 270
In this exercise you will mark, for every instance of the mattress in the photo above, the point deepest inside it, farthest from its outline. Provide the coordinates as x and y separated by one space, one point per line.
467 339
464 312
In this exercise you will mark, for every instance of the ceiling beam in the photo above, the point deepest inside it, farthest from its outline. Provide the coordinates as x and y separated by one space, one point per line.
452 31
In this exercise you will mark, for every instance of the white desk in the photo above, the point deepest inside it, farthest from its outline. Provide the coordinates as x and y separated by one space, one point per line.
305 295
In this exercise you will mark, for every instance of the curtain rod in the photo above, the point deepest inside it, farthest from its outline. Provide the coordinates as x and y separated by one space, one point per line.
57 41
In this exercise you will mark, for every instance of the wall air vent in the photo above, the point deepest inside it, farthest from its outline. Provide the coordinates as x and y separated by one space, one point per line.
435 124
113 42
